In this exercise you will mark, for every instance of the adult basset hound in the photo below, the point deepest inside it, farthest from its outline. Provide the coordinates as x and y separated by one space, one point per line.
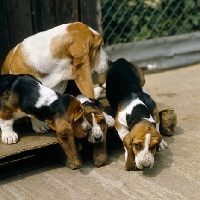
137 119
22 95
69 51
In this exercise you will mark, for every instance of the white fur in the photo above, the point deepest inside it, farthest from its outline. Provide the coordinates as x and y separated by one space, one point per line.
96 131
122 131
82 98
163 145
8 135
127 110
145 156
109 119
101 65
47 96
37 52
97 92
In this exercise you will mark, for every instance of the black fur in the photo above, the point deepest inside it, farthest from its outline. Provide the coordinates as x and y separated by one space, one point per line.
27 89
122 87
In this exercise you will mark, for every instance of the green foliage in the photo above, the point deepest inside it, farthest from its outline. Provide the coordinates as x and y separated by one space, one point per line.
135 20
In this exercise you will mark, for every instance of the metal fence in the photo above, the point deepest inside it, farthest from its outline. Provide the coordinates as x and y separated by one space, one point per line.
135 20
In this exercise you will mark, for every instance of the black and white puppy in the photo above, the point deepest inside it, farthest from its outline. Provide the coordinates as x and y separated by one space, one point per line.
22 95
137 119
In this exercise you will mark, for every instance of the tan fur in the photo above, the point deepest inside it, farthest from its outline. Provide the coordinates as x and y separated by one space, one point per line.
81 46
137 136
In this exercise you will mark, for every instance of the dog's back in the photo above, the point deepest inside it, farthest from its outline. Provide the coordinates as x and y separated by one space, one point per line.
122 79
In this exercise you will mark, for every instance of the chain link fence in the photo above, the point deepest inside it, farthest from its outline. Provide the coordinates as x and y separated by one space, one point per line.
135 20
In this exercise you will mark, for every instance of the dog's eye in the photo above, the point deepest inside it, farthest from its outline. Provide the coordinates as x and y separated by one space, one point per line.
138 146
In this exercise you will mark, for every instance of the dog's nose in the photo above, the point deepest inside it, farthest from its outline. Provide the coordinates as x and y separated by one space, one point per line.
145 165
98 138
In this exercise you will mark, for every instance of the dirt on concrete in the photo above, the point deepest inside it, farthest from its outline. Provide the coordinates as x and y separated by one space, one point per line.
176 172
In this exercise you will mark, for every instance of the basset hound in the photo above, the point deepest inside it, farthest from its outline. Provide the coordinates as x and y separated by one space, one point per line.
69 51
137 119
99 122
24 95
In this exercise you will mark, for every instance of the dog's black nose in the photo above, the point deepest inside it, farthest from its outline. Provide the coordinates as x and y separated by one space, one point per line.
145 165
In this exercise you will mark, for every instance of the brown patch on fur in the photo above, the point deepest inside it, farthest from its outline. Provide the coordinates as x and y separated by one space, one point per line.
137 137
16 63
9 104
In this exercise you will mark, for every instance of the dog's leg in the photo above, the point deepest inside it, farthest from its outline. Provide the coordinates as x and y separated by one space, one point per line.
39 126
163 145
100 153
8 135
109 119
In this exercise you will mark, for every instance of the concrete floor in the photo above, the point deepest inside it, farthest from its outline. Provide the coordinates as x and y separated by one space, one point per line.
176 172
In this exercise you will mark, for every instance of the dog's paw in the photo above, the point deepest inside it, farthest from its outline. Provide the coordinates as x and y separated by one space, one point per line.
109 120
97 92
39 127
9 137
163 145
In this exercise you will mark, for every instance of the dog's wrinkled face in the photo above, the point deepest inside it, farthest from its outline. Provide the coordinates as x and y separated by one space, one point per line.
97 121
145 139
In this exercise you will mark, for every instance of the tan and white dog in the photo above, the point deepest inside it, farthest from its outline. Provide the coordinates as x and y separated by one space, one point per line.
69 51
137 119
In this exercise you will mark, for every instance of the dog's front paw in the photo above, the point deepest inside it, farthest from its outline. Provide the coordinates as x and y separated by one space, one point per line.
163 145
109 120
9 137
97 92
39 127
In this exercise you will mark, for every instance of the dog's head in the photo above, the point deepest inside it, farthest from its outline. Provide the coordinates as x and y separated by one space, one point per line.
143 140
97 121
88 56
77 119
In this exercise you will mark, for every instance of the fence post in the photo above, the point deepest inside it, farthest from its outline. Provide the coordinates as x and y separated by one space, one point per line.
90 12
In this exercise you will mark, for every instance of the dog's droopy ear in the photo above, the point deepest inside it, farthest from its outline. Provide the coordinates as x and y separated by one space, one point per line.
81 71
130 161
66 139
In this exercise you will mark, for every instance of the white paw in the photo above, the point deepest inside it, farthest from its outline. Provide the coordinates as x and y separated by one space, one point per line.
39 126
163 145
97 92
109 120
9 137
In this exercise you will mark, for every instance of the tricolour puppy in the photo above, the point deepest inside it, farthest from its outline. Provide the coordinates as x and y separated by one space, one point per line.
99 122
137 119
67 52
22 95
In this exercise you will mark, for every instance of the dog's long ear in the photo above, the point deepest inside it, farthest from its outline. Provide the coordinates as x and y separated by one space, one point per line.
81 71
130 162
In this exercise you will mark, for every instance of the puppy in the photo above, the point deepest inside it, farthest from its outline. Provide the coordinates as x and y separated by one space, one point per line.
22 95
99 122
137 119
67 52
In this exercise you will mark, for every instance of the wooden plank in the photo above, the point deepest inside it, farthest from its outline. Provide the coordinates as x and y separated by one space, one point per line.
67 11
19 20
44 15
91 14
4 35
